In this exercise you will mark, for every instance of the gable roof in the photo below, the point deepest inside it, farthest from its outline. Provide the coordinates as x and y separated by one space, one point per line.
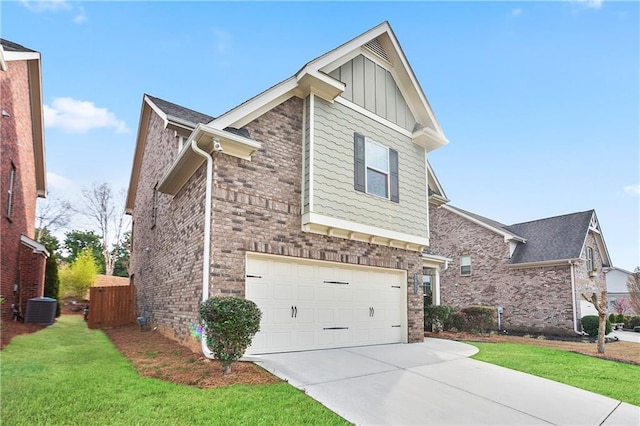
177 113
314 77
10 46
556 238
492 225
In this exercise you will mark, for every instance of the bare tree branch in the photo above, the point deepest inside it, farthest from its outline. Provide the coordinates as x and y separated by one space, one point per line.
106 211
53 214
633 285
601 307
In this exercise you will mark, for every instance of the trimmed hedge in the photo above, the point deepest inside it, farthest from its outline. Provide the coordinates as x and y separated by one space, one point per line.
591 323
475 319
631 322
230 324
437 317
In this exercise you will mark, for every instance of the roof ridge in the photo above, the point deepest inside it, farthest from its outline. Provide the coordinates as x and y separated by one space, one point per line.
551 217
177 105
15 46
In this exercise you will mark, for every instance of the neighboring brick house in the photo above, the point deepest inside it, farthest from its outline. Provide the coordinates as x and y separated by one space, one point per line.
22 176
536 271
617 279
309 199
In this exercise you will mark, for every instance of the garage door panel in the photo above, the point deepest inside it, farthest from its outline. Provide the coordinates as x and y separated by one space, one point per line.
313 304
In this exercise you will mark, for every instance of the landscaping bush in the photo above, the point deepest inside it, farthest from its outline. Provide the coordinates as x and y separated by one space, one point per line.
437 318
613 317
590 324
619 318
636 328
631 322
474 319
229 325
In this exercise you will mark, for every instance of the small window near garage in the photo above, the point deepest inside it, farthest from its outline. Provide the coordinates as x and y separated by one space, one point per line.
590 264
376 169
465 265
12 178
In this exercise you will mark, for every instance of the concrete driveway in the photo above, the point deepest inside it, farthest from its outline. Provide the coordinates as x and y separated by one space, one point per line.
627 336
435 383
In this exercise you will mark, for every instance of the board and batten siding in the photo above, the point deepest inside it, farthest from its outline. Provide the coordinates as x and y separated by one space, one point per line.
372 87
333 169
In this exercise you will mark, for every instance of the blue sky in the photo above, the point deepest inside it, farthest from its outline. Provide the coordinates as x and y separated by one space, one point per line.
540 100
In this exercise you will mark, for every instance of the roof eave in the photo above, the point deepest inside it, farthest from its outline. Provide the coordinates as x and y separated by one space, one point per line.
542 263
145 115
507 235
188 161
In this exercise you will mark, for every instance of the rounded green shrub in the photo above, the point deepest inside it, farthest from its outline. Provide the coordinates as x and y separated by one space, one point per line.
619 318
613 317
590 324
229 326
436 317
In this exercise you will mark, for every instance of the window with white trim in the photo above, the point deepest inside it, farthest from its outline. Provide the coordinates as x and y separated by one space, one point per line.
590 264
376 168
465 265
12 179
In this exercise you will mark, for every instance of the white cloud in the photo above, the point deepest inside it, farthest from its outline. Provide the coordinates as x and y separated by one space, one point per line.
74 116
45 5
589 4
632 189
516 12
80 16
57 183
41 6
222 40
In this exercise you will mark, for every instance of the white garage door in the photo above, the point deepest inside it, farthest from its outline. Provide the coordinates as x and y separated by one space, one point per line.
314 305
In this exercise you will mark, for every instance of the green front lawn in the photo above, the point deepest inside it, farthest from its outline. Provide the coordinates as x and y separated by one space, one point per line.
613 379
68 374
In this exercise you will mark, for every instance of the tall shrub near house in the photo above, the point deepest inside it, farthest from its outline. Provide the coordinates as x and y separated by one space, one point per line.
52 281
229 326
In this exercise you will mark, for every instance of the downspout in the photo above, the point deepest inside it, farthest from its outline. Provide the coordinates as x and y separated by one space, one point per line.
207 237
573 297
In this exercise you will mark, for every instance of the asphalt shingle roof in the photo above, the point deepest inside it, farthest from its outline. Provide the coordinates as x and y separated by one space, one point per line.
10 46
553 238
487 221
181 112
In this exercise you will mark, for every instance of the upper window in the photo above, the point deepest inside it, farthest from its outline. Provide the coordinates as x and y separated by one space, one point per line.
376 168
12 178
465 265
589 259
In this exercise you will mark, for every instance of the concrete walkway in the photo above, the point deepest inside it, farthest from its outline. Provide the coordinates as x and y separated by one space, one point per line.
435 383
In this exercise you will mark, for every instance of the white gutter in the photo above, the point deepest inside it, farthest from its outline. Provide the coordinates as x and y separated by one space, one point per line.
573 298
207 237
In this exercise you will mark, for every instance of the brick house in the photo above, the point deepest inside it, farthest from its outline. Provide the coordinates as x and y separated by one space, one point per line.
309 199
536 271
22 176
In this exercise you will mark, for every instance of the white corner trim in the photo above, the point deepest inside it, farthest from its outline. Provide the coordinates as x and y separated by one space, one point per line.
396 239
3 63
312 105
342 101
304 142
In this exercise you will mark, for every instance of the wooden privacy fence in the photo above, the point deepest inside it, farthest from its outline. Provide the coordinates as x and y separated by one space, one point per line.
111 306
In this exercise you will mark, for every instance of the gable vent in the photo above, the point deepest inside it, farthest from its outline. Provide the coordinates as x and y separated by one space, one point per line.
376 47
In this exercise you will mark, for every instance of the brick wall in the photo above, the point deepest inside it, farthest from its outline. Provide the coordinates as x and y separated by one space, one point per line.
256 208
584 282
533 298
17 149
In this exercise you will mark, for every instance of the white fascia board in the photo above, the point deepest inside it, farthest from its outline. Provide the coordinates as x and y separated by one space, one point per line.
507 236
342 101
360 228
599 236
21 56
34 245
143 126
3 63
157 110
429 139
544 263
431 174
435 258
319 83
256 106
37 123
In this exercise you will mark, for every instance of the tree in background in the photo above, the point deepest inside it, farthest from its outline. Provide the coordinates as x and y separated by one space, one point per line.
76 278
106 211
633 285
122 255
53 214
77 241
601 306
621 306
50 241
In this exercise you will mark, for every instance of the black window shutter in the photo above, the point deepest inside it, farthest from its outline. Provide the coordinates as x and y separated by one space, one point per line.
359 166
393 175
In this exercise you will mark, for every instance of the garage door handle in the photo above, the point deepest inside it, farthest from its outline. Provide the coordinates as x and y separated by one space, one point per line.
336 328
336 282
254 276
295 315
372 312
291 311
